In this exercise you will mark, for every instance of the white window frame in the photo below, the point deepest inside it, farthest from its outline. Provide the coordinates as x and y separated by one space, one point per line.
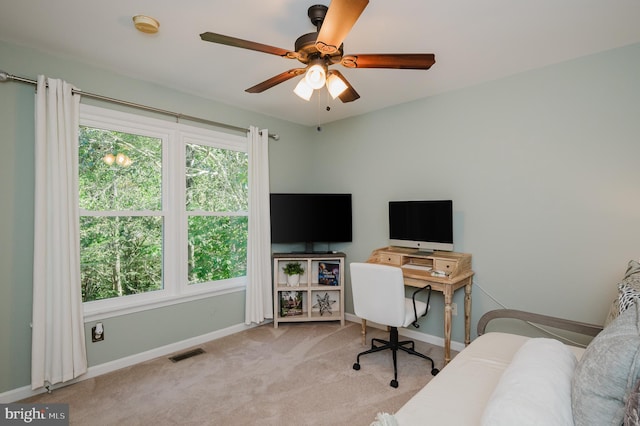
174 138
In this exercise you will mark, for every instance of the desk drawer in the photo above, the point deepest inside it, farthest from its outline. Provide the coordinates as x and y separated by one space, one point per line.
390 259
447 266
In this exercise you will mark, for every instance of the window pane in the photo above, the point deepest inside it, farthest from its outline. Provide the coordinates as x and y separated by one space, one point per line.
217 179
119 171
120 256
217 248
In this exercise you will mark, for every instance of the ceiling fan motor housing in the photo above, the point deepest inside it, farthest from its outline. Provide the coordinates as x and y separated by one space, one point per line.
306 49
316 13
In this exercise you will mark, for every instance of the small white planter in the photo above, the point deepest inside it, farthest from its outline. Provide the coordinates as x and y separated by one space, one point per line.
293 280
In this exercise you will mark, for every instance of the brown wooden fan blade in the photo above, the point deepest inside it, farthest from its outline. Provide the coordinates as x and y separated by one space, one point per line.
273 81
245 44
411 61
341 17
349 94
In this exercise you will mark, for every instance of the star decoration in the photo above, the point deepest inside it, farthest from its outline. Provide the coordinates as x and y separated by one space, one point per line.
324 304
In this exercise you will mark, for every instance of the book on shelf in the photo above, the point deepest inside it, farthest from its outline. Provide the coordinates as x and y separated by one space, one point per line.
290 303
329 273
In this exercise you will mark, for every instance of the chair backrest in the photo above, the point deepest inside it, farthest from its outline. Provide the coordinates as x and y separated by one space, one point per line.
378 293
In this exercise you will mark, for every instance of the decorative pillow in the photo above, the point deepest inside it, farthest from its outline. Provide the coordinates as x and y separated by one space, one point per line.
629 287
614 311
535 389
607 372
632 408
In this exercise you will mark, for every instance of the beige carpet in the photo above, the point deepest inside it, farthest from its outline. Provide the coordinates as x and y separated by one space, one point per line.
297 374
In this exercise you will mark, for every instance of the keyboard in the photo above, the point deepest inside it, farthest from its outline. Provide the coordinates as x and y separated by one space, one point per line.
416 267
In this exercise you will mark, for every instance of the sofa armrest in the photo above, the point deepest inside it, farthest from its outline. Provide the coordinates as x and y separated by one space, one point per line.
530 317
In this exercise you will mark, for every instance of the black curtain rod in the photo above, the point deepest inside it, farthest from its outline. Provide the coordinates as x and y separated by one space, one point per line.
4 76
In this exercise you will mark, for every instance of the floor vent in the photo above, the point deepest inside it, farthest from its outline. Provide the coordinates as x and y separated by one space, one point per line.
186 355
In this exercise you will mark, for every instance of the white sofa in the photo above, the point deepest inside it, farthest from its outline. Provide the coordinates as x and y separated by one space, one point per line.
507 379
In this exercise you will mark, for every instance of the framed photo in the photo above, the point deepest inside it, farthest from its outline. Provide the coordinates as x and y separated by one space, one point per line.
290 303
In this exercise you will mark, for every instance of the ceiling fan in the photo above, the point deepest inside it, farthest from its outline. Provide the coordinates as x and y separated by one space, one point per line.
321 49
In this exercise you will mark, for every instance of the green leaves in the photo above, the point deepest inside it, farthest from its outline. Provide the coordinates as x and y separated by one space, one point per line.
120 256
216 179
217 248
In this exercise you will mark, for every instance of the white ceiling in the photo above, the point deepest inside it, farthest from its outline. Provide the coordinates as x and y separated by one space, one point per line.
474 41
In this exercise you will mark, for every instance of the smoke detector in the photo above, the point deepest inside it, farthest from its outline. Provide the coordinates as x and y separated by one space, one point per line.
146 24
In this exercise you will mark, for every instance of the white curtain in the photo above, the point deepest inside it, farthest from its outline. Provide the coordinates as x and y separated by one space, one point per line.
58 351
259 299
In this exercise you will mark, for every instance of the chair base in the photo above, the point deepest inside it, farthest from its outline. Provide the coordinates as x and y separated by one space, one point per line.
394 345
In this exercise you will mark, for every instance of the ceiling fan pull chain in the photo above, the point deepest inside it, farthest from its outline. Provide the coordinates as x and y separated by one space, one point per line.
318 128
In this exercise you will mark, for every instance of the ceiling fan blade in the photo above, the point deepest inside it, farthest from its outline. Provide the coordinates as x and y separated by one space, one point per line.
350 94
340 18
246 44
273 81
411 61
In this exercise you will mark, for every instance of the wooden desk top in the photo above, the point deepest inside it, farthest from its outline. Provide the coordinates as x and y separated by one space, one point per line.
458 264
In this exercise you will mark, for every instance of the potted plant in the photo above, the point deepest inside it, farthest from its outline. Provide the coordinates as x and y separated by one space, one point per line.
293 270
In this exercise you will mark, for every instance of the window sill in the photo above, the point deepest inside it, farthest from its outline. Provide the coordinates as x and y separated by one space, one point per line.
95 313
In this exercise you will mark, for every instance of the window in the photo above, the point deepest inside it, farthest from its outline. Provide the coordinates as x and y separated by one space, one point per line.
163 211
121 225
216 184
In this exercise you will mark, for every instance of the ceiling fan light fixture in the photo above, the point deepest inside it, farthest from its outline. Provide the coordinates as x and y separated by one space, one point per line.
335 85
316 74
303 90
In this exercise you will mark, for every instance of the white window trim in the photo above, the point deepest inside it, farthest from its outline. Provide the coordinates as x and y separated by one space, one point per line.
174 137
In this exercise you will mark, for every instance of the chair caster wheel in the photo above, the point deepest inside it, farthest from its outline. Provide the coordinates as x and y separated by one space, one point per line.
394 383
356 366
434 371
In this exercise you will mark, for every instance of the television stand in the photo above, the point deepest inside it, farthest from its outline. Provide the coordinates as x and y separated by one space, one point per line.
309 248
319 295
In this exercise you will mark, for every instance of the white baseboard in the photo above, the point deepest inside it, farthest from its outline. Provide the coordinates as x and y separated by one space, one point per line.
422 337
98 370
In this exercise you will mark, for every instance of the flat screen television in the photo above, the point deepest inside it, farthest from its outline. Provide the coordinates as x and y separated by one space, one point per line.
310 218
425 225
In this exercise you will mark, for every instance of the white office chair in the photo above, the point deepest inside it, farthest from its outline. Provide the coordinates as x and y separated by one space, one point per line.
378 296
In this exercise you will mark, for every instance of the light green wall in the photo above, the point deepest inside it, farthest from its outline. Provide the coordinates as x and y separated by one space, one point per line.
16 234
542 168
129 334
543 171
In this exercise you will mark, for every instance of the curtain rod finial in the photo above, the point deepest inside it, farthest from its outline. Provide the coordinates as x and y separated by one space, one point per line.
4 76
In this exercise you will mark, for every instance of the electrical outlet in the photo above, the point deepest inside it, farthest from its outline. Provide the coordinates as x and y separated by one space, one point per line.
97 333
454 308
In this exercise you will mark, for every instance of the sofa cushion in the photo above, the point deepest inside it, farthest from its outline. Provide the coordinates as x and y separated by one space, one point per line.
607 372
535 389
384 419
471 376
